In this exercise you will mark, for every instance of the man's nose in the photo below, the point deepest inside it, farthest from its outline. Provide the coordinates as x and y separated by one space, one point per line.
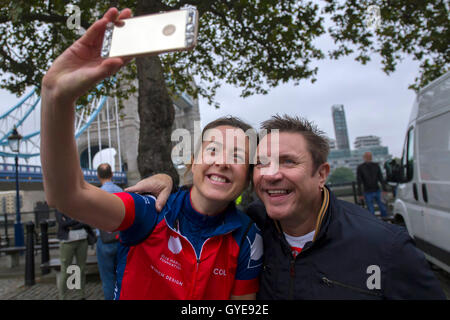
271 173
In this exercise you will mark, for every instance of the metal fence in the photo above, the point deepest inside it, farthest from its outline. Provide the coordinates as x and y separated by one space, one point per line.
8 219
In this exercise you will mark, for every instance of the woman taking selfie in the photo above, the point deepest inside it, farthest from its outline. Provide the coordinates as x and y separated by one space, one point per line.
199 246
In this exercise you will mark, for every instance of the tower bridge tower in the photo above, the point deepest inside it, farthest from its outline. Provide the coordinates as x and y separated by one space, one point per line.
119 129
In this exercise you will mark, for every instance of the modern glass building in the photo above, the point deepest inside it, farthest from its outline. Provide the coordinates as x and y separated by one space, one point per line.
342 156
340 127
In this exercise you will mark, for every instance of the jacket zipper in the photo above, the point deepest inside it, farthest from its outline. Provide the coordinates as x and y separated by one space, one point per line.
292 271
330 283
291 283
191 292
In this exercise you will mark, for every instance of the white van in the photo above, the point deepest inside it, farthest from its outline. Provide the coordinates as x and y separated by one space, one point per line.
423 194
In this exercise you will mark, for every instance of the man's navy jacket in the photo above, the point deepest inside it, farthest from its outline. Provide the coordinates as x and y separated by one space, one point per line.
354 256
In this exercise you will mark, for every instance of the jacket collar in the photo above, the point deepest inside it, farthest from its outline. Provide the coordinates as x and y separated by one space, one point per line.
222 223
322 213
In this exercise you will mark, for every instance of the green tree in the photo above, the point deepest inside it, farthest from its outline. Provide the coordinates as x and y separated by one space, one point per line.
417 28
254 45
341 175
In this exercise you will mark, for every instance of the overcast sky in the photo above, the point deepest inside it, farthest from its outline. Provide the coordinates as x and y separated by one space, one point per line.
374 103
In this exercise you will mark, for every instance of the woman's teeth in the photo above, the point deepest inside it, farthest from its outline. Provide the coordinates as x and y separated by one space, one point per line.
218 179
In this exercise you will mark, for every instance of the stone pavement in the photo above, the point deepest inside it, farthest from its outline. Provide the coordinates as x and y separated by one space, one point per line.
12 282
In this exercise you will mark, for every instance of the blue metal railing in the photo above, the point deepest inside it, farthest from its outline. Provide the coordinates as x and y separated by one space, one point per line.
29 173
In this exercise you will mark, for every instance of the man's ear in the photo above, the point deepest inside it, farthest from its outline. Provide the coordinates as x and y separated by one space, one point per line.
323 172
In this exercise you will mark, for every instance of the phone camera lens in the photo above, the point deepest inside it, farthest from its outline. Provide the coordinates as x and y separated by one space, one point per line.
169 30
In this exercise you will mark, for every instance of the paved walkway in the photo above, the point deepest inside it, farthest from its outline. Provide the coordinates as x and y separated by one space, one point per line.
12 282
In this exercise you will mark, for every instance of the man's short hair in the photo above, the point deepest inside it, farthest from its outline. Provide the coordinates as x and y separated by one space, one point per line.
317 142
104 171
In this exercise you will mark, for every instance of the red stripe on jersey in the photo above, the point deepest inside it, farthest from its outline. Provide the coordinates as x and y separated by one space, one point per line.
242 287
295 251
128 201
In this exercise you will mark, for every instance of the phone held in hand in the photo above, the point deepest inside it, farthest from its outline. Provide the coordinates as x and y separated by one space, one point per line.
152 34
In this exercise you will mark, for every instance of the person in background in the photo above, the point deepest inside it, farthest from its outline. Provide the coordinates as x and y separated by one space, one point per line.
73 236
107 242
368 175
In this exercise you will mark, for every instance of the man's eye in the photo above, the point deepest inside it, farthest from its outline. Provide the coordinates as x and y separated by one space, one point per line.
287 161
211 149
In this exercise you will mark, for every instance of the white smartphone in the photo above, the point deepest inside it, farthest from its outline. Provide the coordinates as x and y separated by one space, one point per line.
152 34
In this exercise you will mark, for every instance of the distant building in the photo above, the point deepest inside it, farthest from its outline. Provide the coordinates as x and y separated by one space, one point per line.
187 116
332 143
340 153
340 158
367 142
340 127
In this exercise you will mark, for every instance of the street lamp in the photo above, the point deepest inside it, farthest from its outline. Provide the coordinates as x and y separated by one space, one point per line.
14 144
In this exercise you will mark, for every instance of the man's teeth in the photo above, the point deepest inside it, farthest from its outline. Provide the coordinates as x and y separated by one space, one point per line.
218 179
277 191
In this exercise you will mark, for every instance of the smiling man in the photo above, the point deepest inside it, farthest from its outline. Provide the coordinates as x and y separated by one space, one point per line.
319 247
316 246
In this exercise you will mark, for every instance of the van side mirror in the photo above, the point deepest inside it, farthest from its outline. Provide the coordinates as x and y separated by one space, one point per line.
393 171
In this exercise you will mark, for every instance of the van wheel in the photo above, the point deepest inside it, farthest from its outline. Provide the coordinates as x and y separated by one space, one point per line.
398 220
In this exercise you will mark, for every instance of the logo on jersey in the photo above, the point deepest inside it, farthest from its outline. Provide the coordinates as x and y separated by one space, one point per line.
220 272
174 245
256 252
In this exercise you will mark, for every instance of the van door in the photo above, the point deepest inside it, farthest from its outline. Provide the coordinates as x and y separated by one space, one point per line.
408 191
433 142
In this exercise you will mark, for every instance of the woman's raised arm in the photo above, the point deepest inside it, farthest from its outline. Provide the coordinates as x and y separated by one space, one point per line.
71 75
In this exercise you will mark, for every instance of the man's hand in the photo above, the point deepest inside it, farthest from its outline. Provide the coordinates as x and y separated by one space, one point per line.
159 185
361 199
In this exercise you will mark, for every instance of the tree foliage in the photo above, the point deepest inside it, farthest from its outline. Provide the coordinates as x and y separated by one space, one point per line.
341 175
252 44
33 33
416 28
